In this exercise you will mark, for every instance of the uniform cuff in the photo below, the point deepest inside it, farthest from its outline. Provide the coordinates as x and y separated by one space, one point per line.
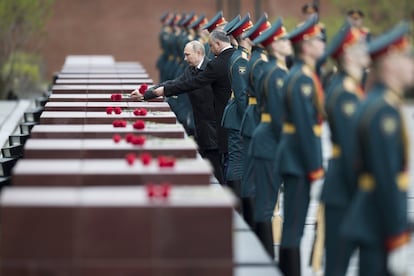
313 175
397 241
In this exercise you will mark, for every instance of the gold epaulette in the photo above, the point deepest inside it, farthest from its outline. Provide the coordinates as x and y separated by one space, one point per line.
349 84
266 118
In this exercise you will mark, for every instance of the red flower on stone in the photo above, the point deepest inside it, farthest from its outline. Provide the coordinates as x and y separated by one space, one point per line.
140 112
109 110
130 158
118 110
129 137
119 123
139 124
145 158
165 189
138 140
143 88
116 138
116 97
150 190
166 161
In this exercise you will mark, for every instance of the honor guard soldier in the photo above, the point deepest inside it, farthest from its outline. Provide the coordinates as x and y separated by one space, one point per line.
230 26
233 113
300 151
251 117
349 50
195 29
377 218
217 22
265 138
163 38
355 18
311 10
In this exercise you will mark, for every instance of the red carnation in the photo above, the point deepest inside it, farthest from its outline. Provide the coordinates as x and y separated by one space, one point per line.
109 110
145 158
143 112
165 189
130 158
140 112
129 137
119 123
116 97
118 110
150 190
143 88
138 140
139 124
116 138
166 161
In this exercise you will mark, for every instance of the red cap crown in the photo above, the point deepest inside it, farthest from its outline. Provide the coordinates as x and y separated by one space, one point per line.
259 30
242 28
311 32
352 37
275 36
218 22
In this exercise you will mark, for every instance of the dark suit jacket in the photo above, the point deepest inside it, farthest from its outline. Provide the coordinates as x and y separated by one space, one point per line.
216 75
202 102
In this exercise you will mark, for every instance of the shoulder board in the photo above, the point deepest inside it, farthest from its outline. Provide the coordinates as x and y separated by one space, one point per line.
307 71
264 57
392 98
349 84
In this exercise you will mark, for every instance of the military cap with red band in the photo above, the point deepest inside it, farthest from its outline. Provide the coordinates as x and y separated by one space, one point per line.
261 25
345 37
308 30
394 40
216 21
198 22
277 31
242 26
191 17
232 23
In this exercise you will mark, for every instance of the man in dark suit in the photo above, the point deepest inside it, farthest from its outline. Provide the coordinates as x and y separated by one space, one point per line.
216 75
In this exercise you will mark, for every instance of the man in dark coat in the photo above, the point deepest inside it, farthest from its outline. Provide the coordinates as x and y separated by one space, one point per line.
202 102
216 75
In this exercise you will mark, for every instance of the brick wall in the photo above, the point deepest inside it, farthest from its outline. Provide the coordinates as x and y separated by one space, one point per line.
128 29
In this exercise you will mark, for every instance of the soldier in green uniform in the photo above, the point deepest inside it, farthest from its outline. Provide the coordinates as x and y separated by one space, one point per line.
377 217
299 153
163 37
349 50
355 18
251 117
265 138
233 113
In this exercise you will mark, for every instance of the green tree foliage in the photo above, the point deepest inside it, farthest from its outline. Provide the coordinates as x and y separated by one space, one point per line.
22 23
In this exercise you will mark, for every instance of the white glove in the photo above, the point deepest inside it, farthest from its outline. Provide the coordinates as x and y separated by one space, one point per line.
398 260
316 189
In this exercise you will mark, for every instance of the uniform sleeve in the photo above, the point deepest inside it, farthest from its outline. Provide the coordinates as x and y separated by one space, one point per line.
304 117
239 83
384 158
274 98
206 77
343 116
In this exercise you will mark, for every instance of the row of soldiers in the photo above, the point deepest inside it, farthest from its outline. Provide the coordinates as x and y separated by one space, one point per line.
273 121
